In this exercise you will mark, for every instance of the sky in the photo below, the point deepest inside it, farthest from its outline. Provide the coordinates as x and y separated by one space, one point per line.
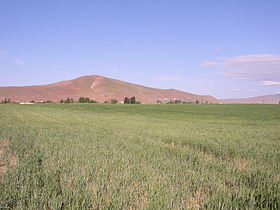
223 48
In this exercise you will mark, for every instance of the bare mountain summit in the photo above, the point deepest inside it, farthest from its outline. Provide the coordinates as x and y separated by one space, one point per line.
98 88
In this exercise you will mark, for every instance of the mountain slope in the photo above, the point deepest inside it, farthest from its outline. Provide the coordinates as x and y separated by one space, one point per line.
267 99
98 88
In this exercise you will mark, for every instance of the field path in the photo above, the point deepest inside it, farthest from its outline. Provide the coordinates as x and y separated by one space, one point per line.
19 116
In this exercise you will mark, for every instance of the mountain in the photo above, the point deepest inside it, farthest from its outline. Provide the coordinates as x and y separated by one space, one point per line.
98 88
267 99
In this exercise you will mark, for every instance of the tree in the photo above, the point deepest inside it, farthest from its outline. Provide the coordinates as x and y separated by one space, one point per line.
69 100
126 100
197 102
81 100
177 101
114 101
133 100
84 100
158 102
6 101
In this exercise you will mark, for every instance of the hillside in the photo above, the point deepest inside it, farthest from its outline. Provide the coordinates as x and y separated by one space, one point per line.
98 88
266 99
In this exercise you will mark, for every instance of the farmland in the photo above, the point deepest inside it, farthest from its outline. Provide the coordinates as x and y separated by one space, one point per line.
61 156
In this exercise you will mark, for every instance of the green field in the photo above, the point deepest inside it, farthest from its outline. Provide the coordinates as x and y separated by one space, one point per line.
74 156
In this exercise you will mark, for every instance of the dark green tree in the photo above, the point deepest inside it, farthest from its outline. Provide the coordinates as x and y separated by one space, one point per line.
114 101
177 101
126 100
69 100
133 100
84 100
81 100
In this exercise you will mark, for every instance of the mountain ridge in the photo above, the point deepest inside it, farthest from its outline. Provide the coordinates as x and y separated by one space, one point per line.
265 99
98 88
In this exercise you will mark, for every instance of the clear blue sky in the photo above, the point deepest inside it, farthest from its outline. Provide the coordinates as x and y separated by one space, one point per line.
227 49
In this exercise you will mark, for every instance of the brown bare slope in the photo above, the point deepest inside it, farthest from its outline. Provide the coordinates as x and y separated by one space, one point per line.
98 88
267 99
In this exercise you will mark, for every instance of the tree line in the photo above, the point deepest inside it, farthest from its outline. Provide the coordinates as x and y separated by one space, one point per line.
127 100
131 100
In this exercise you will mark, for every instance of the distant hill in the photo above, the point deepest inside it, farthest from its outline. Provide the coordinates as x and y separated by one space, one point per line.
267 99
98 88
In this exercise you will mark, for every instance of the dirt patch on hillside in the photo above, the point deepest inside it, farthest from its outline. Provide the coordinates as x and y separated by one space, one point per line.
7 160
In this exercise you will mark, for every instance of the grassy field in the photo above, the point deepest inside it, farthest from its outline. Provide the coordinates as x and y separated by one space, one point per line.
140 156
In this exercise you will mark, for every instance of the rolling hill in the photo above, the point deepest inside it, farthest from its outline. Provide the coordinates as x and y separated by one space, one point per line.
266 99
98 88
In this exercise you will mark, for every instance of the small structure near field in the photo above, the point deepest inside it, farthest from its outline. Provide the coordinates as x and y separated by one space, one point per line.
26 103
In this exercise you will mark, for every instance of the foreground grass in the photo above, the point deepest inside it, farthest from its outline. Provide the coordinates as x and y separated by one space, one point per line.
140 156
